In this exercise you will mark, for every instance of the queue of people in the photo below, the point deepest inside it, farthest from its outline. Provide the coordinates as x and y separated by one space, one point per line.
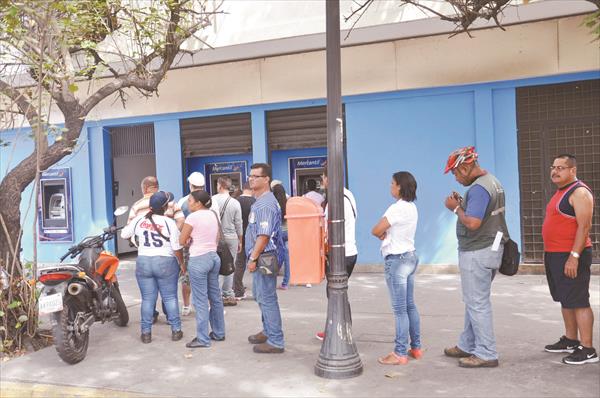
253 226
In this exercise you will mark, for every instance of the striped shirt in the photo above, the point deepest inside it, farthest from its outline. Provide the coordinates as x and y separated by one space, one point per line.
264 219
142 206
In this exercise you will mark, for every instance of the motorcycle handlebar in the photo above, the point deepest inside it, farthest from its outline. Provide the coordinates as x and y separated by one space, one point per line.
107 234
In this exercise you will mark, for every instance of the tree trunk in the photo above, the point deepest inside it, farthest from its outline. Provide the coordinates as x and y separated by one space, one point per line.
15 182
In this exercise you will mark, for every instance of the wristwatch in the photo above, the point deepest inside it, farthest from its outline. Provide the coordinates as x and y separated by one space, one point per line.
252 259
574 254
455 211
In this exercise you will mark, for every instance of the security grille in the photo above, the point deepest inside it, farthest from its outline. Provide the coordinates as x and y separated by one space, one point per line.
216 135
297 128
132 140
555 119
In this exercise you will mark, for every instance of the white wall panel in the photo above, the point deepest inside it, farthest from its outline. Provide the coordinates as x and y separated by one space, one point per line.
527 50
576 50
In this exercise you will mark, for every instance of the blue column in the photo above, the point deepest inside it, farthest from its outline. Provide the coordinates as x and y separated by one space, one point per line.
260 146
100 181
167 144
484 129
506 147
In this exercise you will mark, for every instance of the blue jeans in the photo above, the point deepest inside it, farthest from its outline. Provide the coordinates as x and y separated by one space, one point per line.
400 278
204 280
286 259
154 274
264 289
477 270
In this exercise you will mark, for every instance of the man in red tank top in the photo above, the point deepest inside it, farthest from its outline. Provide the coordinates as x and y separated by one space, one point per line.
568 259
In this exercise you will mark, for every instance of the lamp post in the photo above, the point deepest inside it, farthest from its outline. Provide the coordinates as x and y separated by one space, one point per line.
338 358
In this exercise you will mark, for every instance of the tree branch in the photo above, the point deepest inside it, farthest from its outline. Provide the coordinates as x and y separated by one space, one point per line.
22 101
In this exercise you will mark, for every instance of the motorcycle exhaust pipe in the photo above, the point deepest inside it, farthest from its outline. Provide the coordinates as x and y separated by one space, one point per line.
74 289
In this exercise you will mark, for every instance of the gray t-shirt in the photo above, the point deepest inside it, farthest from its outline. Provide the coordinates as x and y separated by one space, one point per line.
231 221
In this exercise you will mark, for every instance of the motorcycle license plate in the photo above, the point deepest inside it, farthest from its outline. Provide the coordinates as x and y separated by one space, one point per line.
51 303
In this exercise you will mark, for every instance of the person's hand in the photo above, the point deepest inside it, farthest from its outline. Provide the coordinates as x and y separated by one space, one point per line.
252 266
452 202
571 267
382 236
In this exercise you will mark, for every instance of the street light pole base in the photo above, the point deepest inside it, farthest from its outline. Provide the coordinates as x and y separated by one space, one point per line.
339 369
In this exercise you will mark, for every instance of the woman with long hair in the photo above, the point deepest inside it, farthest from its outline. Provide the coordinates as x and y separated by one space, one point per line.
280 195
158 263
201 231
396 230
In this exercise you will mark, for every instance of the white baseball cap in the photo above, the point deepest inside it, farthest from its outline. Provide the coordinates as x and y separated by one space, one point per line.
197 179
276 182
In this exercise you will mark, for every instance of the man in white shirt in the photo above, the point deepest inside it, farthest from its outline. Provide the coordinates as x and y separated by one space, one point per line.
350 214
231 225
312 193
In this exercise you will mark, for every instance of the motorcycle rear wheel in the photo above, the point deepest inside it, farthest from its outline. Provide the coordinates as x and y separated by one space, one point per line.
123 315
71 348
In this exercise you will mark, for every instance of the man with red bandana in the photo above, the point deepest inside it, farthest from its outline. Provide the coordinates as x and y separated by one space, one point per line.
568 259
481 231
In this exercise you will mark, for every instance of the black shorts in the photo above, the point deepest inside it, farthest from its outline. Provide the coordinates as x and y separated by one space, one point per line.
571 293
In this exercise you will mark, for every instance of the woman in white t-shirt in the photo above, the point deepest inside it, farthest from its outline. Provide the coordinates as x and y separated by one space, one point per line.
201 231
157 266
396 230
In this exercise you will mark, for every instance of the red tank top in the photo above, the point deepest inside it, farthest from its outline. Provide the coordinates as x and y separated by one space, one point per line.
560 225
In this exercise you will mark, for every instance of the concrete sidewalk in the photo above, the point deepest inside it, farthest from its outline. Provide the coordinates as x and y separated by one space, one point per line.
525 320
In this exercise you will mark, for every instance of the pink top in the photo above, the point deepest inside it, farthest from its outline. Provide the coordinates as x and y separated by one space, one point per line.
205 229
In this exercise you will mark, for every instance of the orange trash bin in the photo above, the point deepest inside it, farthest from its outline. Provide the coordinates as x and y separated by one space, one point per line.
306 241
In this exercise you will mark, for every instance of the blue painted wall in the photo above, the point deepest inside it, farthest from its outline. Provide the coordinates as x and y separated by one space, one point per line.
414 134
410 130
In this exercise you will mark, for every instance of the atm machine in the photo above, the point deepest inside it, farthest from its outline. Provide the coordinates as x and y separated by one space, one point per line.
237 171
302 178
304 169
236 181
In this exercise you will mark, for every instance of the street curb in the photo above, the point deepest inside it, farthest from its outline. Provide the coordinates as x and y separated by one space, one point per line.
19 389
432 269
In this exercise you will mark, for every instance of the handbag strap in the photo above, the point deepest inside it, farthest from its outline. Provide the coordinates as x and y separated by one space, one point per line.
222 212
156 228
218 222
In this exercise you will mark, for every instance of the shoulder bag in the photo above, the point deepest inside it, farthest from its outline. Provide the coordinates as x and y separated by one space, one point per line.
227 264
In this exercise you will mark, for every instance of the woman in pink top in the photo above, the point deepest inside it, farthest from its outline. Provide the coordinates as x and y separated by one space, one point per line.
201 231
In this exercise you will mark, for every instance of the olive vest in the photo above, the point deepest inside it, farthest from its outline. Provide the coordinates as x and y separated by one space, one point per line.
493 220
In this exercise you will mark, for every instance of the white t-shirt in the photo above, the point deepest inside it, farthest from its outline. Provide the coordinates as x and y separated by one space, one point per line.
315 197
150 241
350 214
400 237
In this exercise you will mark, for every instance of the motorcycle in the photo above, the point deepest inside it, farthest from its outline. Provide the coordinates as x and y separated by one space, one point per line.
77 295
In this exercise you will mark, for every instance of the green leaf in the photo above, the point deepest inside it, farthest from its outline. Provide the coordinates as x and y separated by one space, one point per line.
14 305
1 313
18 325
73 87
23 318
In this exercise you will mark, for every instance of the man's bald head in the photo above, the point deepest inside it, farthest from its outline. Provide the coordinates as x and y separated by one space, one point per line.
149 185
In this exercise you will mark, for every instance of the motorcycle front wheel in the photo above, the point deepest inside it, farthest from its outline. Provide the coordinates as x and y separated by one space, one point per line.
71 346
122 317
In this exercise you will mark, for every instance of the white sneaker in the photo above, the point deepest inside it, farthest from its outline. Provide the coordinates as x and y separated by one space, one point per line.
186 310
308 285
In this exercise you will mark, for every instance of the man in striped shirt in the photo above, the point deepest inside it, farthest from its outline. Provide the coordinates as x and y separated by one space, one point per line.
263 238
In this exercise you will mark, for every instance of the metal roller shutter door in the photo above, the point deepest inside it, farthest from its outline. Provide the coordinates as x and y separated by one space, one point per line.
297 128
555 119
216 135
